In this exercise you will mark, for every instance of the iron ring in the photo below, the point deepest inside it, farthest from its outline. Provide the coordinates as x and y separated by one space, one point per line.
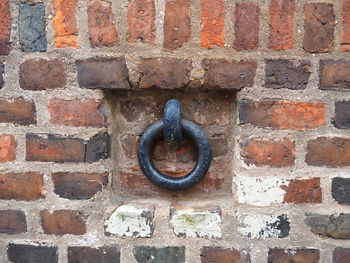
204 156
172 122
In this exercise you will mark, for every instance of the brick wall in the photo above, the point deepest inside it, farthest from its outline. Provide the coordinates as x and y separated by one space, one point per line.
269 83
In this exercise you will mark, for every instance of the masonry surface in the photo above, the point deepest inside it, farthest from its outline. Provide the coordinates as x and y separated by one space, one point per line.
268 81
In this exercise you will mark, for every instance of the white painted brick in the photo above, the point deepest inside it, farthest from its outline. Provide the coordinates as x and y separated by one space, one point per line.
188 222
130 221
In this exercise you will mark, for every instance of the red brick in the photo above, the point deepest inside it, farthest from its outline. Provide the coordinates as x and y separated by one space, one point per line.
272 153
76 113
177 28
141 21
334 75
331 152
78 186
21 186
12 222
282 25
292 115
7 148
345 37
319 23
223 255
213 23
246 26
65 24
41 74
5 27
300 255
17 111
102 28
62 222
54 149
303 191
341 255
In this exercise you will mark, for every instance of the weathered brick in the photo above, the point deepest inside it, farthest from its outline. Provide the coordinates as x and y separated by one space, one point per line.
105 254
164 73
246 26
292 115
341 255
24 253
273 153
331 152
345 36
7 148
213 23
65 24
103 73
135 109
102 28
334 75
2 69
5 27
12 222
282 25
263 226
319 23
223 255
61 222
226 74
76 113
259 191
53 148
131 221
78 186
129 145
300 255
21 186
97 148
41 74
341 190
196 222
177 28
341 117
283 73
17 111
141 21
143 254
31 26
331 226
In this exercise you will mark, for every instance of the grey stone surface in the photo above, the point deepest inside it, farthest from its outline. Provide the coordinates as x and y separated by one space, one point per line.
159 255
31 23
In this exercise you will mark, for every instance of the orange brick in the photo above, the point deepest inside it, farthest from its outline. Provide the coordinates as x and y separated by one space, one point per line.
7 148
62 222
5 27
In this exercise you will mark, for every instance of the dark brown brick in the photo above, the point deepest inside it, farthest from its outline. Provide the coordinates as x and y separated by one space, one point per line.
345 35
293 115
223 255
331 152
54 149
341 255
2 69
97 148
17 111
21 186
334 75
300 255
177 28
283 73
78 186
103 73
62 222
143 254
5 27
319 23
303 191
341 117
246 26
341 190
265 152
106 254
226 74
12 222
164 73
23 253
41 74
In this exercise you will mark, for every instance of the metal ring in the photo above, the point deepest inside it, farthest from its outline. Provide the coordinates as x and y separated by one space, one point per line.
204 156
172 122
